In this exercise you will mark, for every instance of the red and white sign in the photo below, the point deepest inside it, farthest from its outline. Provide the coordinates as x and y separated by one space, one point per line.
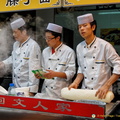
53 106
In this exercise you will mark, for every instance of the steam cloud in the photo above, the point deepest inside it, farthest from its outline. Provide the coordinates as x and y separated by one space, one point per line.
36 31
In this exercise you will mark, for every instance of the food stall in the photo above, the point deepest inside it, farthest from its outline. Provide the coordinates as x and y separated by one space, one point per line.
28 108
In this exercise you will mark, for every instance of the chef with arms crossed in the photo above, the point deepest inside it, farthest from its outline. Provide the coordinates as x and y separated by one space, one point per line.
95 58
59 62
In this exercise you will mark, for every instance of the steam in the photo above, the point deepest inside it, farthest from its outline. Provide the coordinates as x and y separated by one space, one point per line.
36 28
6 41
36 31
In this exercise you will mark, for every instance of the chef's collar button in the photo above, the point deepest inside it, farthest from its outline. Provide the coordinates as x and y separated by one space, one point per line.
14 75
85 77
19 69
84 46
18 77
92 67
56 68
24 52
93 57
60 50
84 56
58 59
51 87
46 86
85 67
94 46
91 88
49 59
21 61
91 78
86 87
48 68
27 44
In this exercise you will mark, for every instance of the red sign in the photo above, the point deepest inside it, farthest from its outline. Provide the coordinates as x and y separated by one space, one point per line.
53 106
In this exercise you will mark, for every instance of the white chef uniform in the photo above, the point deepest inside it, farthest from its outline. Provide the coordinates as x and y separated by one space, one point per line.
63 60
95 62
24 59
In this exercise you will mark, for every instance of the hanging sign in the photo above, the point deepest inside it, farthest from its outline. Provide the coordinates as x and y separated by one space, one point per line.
88 2
13 5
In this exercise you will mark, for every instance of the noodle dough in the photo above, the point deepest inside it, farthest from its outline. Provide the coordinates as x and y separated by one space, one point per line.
84 94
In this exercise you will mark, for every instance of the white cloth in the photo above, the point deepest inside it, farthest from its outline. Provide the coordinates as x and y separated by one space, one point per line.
3 91
63 60
25 59
95 62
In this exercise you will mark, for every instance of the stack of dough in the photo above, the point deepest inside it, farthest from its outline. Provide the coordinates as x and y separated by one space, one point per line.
84 94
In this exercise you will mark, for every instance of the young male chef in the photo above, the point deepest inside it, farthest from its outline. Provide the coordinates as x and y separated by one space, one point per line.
58 61
95 58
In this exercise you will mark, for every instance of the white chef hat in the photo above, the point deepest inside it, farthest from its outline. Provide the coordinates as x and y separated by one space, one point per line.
17 23
54 28
87 18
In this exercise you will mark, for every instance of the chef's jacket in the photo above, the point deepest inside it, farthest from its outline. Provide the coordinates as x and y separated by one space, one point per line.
63 60
25 58
95 62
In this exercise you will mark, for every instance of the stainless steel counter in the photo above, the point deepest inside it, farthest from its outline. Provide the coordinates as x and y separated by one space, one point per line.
18 114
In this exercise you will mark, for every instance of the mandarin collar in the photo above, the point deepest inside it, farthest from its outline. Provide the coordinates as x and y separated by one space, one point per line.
25 42
90 45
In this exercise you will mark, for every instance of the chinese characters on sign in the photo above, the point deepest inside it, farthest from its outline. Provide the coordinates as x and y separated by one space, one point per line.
12 2
27 2
2 100
63 107
16 2
44 1
14 5
20 102
40 105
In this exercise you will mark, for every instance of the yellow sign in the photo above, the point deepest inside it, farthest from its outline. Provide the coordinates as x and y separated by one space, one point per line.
88 2
11 5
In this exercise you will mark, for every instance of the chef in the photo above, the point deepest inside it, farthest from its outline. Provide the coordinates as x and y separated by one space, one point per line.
95 58
58 61
25 57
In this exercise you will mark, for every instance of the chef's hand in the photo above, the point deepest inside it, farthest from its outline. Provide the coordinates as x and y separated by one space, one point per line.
101 93
50 74
73 85
31 94
37 76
